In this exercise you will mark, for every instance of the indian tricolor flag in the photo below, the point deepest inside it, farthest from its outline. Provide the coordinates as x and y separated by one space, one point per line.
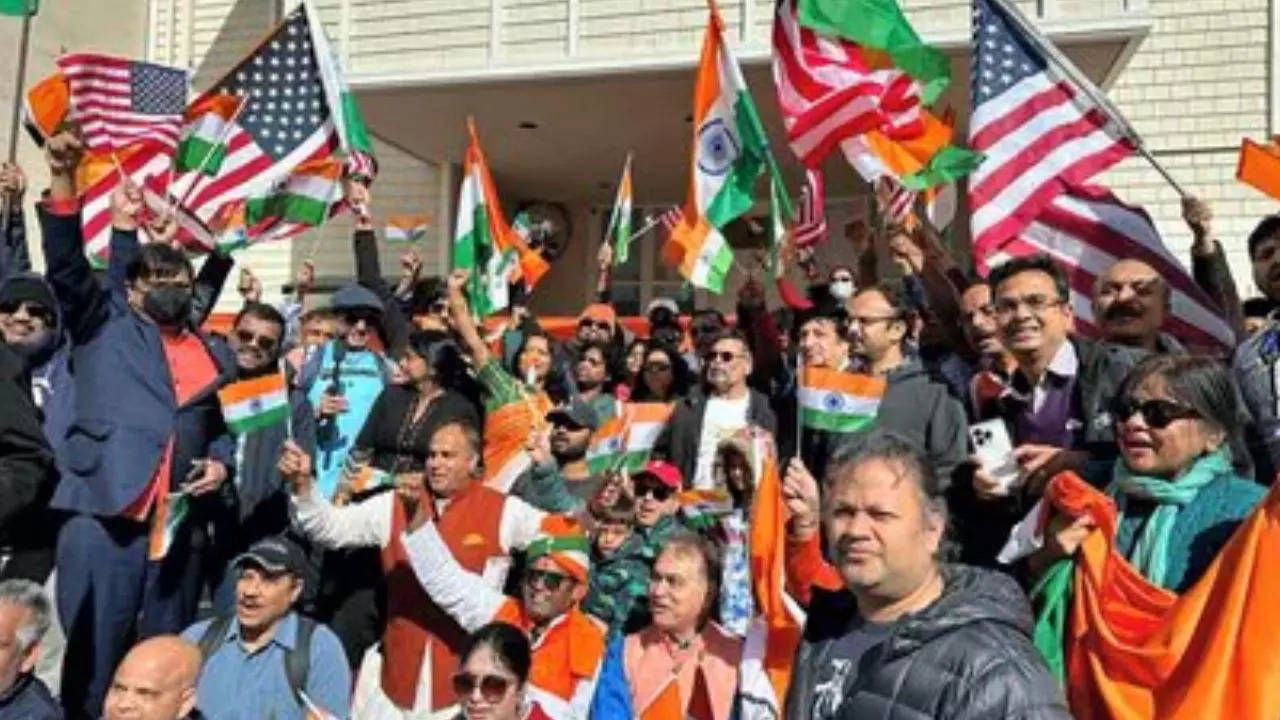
604 452
208 124
730 150
256 403
703 509
839 401
619 232
304 197
481 232
645 422
407 228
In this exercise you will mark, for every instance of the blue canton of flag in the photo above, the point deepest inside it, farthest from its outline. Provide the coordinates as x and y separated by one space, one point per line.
158 90
1001 58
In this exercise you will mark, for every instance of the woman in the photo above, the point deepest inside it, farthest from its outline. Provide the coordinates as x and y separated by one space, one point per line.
734 473
665 376
633 363
493 669
404 417
682 664
1178 486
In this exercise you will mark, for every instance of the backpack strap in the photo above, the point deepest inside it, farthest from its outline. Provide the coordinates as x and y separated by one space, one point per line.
212 637
297 662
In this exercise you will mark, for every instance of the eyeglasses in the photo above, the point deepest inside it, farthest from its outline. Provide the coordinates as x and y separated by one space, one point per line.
841 278
1036 304
657 367
353 318
872 319
34 311
492 687
723 356
1158 414
264 343
658 491
546 578
586 323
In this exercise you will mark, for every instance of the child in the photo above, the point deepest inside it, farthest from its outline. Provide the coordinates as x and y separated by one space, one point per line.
618 579
613 525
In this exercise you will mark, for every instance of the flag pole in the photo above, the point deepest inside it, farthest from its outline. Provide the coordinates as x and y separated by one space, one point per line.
799 407
1086 86
20 75
208 155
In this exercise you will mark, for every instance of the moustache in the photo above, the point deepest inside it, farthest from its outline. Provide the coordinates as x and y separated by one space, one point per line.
1124 311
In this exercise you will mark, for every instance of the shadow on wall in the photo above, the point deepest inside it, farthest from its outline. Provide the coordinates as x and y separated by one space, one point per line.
242 29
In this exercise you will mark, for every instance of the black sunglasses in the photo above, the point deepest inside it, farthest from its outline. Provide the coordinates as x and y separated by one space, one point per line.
34 310
1158 414
723 356
659 491
546 578
656 367
597 324
264 343
492 687
354 317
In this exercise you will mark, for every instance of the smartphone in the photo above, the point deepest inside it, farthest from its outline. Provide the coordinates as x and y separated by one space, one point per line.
994 448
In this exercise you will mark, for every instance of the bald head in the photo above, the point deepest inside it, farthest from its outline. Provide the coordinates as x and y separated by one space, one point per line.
1130 303
155 681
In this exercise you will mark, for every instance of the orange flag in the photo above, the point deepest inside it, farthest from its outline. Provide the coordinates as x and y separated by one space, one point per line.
1260 166
1138 652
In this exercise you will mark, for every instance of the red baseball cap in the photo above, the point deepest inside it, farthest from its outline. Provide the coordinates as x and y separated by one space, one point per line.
664 472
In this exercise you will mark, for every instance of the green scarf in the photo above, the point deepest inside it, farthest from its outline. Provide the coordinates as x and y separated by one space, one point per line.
1050 597
1150 554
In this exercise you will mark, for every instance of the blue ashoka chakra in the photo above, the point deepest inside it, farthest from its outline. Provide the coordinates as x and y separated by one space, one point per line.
717 148
832 402
255 405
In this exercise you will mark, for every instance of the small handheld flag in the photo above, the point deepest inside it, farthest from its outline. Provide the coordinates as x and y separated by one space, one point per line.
619 231
838 401
254 404
407 228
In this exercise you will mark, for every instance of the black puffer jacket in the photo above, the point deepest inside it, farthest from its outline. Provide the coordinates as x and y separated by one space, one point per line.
968 655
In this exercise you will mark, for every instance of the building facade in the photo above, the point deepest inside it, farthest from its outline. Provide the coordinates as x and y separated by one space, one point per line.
562 90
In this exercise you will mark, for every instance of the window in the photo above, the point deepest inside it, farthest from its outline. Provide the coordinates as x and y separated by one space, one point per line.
644 276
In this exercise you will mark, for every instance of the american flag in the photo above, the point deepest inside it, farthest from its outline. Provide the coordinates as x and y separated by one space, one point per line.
811 226
1044 140
118 102
894 200
286 121
828 92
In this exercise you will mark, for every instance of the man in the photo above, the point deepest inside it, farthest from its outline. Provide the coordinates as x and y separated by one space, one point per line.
1130 305
619 587
242 652
821 342
700 421
1256 312
24 619
409 674
705 326
1058 397
261 507
559 479
28 474
913 405
1255 359
568 645
155 681
897 608
146 449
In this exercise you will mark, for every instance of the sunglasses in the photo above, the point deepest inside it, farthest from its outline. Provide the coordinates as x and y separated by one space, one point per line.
704 329
1158 414
263 343
546 578
36 312
439 308
659 491
656 367
492 687
597 324
354 318
723 356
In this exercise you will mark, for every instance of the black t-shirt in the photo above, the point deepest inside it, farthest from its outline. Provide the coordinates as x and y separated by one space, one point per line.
840 668
399 443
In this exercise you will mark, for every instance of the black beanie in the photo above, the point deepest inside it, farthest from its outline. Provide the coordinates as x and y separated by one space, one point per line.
30 289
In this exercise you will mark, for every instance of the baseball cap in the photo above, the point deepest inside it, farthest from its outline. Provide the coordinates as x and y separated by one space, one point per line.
276 555
664 303
577 413
664 472
355 297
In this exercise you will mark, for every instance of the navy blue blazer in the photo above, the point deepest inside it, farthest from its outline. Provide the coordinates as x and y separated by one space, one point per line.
125 408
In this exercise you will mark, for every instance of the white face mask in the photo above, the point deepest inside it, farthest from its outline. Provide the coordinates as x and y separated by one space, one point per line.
842 289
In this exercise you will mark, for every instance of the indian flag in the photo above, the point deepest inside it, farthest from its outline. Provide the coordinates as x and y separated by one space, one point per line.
619 232
503 269
702 509
304 197
839 401
407 228
209 122
481 231
254 404
170 512
604 452
730 150
645 422
353 135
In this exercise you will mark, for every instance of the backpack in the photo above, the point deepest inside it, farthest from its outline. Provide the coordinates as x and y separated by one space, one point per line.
297 662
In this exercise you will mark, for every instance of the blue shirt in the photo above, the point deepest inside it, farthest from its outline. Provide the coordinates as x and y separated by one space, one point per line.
236 685
362 378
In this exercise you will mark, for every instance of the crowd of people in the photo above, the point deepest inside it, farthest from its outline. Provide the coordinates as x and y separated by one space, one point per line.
423 530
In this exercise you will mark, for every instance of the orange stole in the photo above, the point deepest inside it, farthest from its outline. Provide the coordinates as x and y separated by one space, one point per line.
1138 652
576 645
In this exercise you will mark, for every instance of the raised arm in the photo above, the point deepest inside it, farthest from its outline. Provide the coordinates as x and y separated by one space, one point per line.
364 524
1209 266
14 257
463 324
369 268
465 596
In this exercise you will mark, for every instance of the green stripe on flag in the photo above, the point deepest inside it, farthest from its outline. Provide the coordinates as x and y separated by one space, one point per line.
834 422
737 194
947 165
195 152
881 25
258 421
286 205
19 7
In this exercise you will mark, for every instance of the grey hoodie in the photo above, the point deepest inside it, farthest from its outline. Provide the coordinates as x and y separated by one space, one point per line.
920 408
